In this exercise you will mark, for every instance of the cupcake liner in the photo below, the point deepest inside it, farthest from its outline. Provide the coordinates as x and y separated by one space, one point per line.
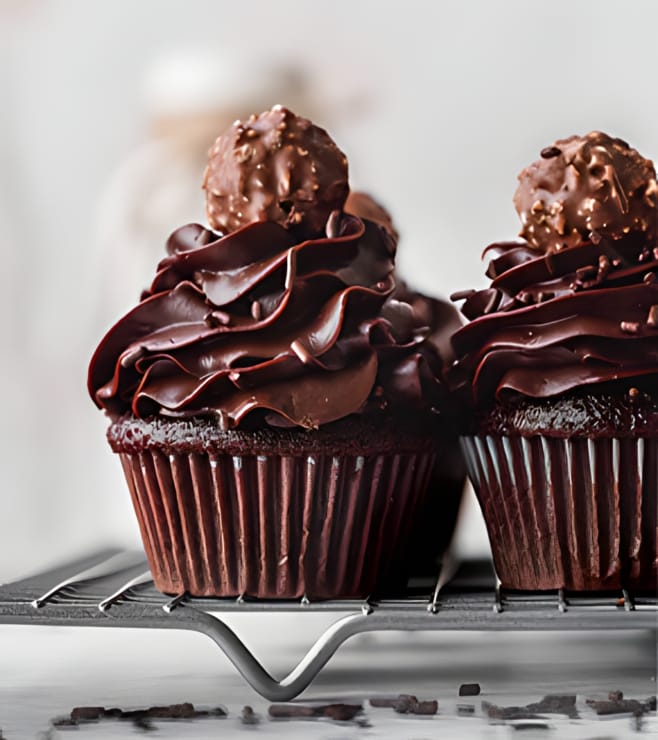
274 526
579 514
434 522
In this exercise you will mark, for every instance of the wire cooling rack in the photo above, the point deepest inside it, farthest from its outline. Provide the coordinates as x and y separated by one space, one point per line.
113 588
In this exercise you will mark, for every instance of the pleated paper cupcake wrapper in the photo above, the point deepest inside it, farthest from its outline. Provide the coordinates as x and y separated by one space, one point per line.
274 527
577 513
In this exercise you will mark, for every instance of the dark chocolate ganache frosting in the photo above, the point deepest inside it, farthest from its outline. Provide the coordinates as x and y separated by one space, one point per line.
560 321
256 326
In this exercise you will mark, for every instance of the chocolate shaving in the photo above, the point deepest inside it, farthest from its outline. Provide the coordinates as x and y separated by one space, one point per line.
469 689
550 704
248 716
505 713
337 712
342 712
87 713
380 702
556 704
291 711
406 704
620 706
141 718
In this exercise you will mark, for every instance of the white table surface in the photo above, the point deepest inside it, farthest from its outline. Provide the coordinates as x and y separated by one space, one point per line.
46 671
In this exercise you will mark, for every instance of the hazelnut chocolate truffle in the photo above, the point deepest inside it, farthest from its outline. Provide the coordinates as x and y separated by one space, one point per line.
558 368
275 167
278 413
583 185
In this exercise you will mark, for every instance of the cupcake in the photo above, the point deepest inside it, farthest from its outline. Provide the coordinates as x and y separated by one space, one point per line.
558 369
275 408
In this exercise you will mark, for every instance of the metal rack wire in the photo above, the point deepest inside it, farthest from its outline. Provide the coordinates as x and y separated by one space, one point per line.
113 588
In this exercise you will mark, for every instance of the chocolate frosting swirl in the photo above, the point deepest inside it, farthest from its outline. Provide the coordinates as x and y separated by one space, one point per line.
259 326
553 323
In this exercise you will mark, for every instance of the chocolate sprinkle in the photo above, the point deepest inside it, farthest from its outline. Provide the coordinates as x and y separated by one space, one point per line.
630 327
548 152
652 319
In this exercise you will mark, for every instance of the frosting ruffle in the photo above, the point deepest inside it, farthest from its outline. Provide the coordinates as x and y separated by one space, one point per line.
553 323
255 325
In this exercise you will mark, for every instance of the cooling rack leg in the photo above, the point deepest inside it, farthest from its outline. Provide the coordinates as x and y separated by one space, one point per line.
254 673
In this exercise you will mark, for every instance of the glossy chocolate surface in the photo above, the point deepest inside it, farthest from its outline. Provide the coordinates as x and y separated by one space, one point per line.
584 184
299 333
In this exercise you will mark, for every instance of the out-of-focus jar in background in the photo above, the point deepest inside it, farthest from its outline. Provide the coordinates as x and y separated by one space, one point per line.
190 97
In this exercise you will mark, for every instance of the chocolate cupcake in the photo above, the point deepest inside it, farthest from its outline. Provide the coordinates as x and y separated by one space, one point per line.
275 408
559 370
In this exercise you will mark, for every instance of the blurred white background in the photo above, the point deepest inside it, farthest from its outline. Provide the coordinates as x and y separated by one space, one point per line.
438 106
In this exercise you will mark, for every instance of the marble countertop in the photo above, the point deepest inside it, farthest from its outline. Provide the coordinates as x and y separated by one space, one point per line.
46 671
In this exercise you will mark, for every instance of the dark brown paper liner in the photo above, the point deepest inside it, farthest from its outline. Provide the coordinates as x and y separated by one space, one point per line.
274 526
577 513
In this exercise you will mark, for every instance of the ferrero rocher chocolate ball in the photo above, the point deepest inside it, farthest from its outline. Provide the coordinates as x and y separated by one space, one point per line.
275 167
584 185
